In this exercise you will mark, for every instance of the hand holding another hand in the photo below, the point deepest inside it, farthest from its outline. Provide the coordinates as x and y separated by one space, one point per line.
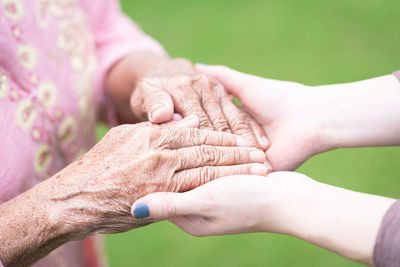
131 161
230 205
171 86
287 112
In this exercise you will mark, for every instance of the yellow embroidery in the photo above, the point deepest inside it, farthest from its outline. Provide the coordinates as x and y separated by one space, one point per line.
47 94
4 87
14 95
42 11
59 8
25 114
16 32
71 36
67 130
14 9
27 56
42 158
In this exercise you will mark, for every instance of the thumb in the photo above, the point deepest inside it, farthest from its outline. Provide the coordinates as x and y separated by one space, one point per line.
153 101
164 205
234 81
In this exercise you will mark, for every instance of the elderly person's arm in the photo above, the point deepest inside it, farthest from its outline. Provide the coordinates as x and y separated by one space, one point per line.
143 82
94 194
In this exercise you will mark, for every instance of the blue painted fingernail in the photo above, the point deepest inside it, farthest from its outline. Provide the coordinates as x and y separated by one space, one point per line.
201 63
141 211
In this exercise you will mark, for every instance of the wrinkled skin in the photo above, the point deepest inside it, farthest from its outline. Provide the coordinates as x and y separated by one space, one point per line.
132 161
172 85
94 194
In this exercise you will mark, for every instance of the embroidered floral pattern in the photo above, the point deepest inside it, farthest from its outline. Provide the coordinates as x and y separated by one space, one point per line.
27 56
38 110
47 94
42 158
25 113
67 130
14 9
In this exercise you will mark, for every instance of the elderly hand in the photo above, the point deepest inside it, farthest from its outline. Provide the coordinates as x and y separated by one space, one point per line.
132 161
94 194
157 87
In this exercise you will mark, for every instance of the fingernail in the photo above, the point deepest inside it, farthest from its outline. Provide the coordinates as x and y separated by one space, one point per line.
201 63
264 142
257 156
259 169
155 110
242 142
141 211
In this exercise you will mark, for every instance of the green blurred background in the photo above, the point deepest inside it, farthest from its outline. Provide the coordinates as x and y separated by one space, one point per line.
308 41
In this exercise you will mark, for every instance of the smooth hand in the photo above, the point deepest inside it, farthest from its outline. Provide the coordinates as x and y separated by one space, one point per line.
286 110
340 220
230 205
301 121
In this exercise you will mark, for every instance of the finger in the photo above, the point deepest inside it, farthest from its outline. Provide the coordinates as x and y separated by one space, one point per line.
191 121
258 132
188 179
166 205
152 102
233 81
211 103
238 121
199 156
187 102
174 138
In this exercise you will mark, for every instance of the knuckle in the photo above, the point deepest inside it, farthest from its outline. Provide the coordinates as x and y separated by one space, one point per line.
179 81
192 106
240 124
221 125
167 210
208 154
209 101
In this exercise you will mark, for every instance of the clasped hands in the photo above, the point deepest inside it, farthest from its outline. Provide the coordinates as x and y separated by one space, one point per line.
195 134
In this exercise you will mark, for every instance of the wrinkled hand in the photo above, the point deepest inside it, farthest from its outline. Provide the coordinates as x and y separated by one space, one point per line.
287 111
171 85
231 205
97 190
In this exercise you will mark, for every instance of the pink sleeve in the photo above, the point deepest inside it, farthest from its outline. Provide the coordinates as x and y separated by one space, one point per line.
115 36
1 264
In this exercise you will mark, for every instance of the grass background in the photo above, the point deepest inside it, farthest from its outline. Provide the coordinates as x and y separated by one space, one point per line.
308 41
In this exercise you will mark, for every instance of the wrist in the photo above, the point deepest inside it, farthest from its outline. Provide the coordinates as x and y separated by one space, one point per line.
335 219
359 114
284 197
32 227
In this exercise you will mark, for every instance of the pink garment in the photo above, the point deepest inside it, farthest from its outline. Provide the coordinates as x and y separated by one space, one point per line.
54 56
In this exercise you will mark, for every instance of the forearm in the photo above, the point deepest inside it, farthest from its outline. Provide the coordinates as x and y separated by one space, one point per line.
30 228
340 220
364 113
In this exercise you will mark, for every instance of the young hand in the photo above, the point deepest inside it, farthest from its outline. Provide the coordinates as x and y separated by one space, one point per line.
340 220
301 121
